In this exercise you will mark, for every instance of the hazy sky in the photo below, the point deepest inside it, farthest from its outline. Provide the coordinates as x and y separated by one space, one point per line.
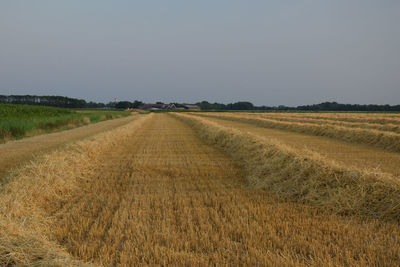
267 52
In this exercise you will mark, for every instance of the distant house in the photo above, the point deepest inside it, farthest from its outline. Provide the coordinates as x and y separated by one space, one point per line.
157 106
191 107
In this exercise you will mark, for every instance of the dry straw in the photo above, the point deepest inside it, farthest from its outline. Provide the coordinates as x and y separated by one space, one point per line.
380 139
41 188
372 118
305 178
152 193
385 127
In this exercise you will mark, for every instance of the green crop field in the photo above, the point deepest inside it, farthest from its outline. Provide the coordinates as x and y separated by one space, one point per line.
17 121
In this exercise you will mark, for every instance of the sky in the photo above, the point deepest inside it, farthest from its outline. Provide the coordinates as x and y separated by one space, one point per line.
281 52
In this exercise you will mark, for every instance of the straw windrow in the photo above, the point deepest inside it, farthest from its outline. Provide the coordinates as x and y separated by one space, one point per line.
39 190
385 140
304 178
365 125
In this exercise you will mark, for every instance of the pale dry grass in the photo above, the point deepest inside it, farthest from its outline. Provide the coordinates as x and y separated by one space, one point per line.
389 127
16 153
306 178
377 118
381 139
86 120
348 155
31 197
167 198
153 193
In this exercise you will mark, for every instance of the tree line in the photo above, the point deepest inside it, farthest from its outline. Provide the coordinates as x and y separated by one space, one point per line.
68 102
54 101
326 106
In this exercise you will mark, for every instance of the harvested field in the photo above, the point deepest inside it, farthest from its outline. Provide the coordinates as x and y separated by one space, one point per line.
154 192
16 153
389 127
376 118
305 177
346 154
386 140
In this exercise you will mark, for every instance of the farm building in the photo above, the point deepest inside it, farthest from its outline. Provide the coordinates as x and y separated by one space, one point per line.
191 107
157 106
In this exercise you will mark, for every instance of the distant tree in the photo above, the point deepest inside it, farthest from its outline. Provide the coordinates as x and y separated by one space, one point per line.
67 102
56 101
159 102
95 105
123 105
243 105
263 108
137 104
205 105
333 106
282 107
